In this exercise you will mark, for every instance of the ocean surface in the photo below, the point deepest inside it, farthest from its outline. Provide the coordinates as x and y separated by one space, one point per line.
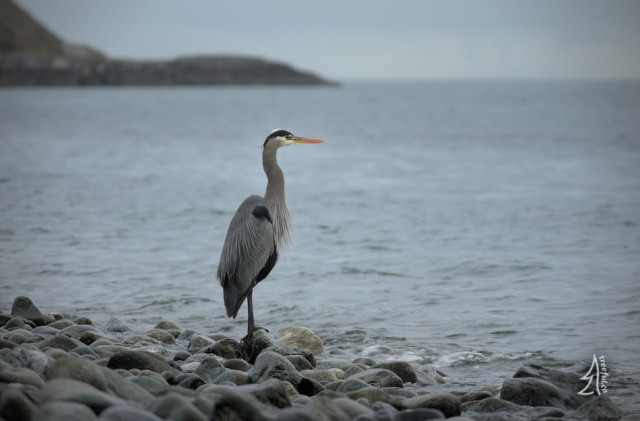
475 226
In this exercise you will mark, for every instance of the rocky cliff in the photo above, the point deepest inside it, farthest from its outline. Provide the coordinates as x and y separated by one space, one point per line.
32 55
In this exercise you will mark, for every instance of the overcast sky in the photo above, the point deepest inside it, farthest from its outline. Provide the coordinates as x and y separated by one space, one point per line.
344 39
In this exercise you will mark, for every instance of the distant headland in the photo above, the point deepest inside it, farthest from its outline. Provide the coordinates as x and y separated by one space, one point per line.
31 55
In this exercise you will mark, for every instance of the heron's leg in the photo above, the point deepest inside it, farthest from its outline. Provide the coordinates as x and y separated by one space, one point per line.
252 324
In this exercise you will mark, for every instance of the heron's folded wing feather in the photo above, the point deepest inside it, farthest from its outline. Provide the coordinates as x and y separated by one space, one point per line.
247 248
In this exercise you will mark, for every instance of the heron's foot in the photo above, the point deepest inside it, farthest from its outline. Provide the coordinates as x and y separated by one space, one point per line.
254 328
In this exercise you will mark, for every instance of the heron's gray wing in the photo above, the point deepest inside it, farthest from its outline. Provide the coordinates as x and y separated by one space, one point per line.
248 249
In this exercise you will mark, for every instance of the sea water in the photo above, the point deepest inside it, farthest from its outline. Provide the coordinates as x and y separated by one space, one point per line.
474 226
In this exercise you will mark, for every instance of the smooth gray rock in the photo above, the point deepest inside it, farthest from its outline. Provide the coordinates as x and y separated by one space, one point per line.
271 392
162 336
190 381
60 341
299 362
234 405
63 410
294 414
339 409
365 360
100 377
209 369
181 356
138 359
21 375
226 348
22 356
402 369
598 408
198 342
74 391
475 396
490 405
378 377
421 414
45 330
374 394
85 350
447 403
302 337
186 335
24 307
14 323
542 386
271 365
78 369
76 331
127 413
296 351
237 364
116 324
14 405
166 325
177 408
234 376
324 375
531 391
7 344
83 321
154 385
384 411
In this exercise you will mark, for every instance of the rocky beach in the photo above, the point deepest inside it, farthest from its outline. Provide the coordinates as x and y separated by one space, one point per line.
57 366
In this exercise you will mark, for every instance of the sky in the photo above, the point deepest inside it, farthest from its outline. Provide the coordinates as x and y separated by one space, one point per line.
368 39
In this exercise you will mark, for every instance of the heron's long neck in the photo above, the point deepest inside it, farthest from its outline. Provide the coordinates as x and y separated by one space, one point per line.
275 196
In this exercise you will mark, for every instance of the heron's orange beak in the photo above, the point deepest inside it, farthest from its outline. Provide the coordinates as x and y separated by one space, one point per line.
298 139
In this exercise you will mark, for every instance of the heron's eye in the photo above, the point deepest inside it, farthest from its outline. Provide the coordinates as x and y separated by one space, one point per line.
289 136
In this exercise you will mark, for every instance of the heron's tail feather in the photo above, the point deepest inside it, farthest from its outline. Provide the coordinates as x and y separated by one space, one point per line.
233 298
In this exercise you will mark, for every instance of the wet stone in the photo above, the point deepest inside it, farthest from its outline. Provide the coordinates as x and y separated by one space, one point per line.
14 405
24 307
60 341
21 375
64 410
138 359
61 324
162 336
402 369
297 336
127 413
83 321
29 358
176 407
379 377
15 323
226 348
74 391
77 331
234 376
448 403
166 325
237 364
116 324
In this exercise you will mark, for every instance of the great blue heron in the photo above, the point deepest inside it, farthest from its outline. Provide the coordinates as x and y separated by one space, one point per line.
257 232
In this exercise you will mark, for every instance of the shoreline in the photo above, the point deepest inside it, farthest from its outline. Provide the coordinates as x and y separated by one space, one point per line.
55 365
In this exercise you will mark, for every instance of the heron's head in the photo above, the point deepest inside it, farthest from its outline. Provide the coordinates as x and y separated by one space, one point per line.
281 137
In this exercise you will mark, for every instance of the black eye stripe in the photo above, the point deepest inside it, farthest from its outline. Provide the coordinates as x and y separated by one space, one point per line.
277 133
